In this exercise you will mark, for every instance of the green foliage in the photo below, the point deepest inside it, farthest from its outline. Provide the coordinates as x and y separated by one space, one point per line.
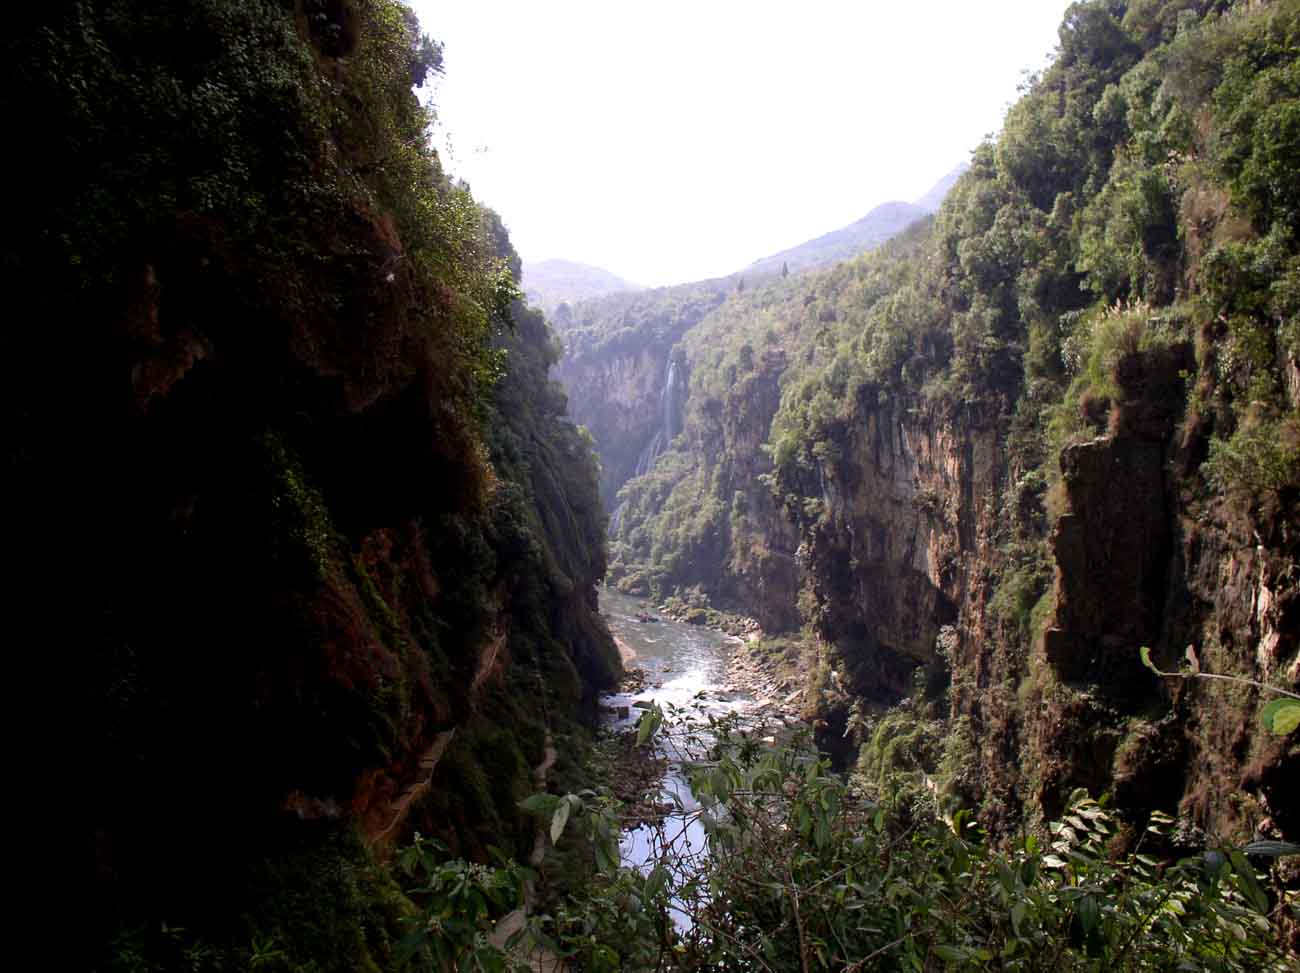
344 470
1021 590
301 519
1133 202
1128 244
606 924
1279 716
1258 105
806 872
637 330
1261 456
458 901
214 130
270 175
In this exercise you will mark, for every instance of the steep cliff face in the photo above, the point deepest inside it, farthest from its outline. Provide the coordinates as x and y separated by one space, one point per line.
1143 556
707 515
759 572
626 384
704 516
910 544
314 527
625 381
909 508
631 404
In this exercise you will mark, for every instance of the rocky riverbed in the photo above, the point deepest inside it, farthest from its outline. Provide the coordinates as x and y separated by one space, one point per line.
774 688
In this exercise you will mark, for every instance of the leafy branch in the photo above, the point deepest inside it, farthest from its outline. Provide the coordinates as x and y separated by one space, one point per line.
1279 716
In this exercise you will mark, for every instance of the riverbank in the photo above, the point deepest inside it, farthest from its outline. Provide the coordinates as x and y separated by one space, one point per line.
625 651
778 673
774 673
633 775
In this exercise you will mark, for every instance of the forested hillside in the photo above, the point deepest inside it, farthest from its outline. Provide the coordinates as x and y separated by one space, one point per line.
997 456
312 540
626 384
618 371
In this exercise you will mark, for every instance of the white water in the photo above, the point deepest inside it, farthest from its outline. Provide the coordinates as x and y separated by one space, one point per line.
668 423
686 667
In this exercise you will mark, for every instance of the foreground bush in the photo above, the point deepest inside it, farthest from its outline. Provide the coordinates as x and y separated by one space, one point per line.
804 870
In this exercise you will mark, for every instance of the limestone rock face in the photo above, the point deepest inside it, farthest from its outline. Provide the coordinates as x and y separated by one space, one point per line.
908 508
625 375
917 531
758 572
628 407
1111 552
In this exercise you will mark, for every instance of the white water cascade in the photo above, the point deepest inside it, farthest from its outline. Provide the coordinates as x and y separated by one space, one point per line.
668 423
669 426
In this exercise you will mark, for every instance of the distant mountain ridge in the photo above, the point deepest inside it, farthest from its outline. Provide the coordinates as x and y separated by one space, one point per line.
549 283
933 199
883 222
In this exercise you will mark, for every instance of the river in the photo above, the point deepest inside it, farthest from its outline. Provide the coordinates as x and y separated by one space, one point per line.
685 667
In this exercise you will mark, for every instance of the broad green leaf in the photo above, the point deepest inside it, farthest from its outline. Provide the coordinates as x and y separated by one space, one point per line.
959 821
644 727
1249 884
1271 849
1088 912
1017 916
1029 871
537 803
560 819
1281 716
954 954
655 882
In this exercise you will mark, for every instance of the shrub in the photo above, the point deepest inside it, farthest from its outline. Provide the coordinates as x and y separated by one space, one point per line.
1260 456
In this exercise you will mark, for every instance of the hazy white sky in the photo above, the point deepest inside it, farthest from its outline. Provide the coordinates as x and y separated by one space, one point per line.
674 141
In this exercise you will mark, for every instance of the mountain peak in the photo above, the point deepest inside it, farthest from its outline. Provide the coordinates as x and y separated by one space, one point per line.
549 283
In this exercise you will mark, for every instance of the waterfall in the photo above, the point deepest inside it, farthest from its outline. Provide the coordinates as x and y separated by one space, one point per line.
669 423
651 453
669 426
667 402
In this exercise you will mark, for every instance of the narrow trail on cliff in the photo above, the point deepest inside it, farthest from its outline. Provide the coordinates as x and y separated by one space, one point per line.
512 922
420 786
428 762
